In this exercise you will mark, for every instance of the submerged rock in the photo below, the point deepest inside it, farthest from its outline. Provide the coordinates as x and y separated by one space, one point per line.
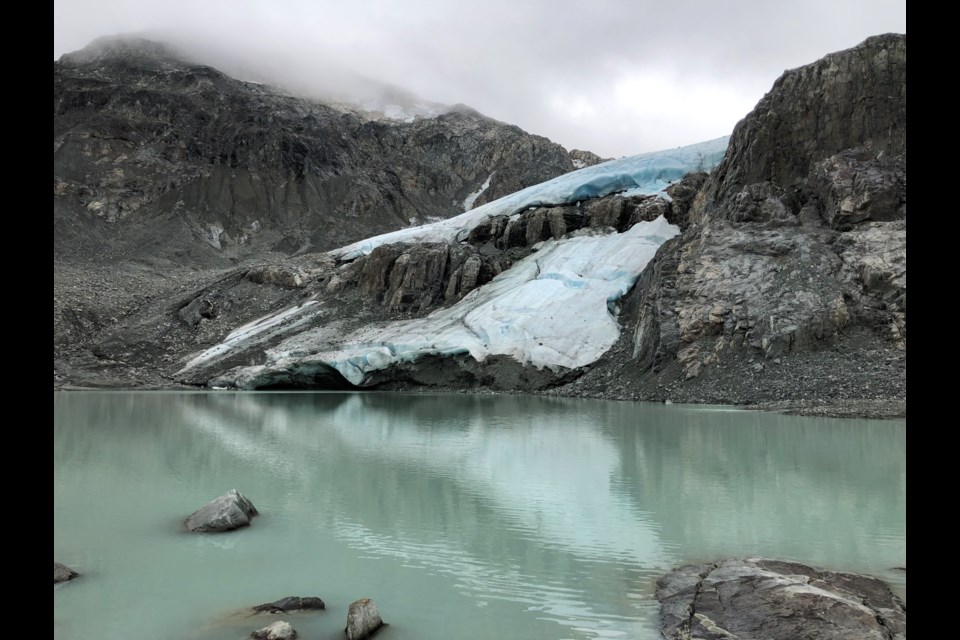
291 603
363 619
278 630
62 573
230 511
762 599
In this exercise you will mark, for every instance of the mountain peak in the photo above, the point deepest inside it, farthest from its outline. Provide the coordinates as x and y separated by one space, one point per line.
127 49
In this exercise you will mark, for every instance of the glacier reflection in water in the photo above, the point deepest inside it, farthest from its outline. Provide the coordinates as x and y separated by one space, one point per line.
462 516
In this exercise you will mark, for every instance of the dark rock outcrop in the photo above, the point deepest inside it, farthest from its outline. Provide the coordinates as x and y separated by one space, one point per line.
419 277
583 158
761 599
230 511
795 241
291 603
62 573
363 620
852 99
156 156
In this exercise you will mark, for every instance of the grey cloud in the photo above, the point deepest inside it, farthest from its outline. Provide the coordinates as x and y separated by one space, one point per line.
553 67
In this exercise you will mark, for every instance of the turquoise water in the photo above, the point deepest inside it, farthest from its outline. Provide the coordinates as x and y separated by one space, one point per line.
461 516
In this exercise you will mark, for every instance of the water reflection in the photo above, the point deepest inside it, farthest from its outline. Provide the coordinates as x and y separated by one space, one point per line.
562 511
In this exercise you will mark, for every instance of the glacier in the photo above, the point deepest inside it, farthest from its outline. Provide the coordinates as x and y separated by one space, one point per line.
554 309
550 310
643 174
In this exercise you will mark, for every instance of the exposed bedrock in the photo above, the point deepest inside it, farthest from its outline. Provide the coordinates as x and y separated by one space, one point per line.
762 599
851 99
158 156
796 240
420 277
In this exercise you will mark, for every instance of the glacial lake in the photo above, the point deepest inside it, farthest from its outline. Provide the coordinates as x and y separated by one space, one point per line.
461 516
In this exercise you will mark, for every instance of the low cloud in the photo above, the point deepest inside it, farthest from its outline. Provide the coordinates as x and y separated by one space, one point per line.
616 77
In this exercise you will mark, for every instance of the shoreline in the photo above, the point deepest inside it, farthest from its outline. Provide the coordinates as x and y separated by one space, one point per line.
852 408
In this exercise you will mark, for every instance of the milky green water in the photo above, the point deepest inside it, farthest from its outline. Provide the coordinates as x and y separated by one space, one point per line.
461 516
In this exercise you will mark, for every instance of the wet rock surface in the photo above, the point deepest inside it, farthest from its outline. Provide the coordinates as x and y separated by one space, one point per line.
230 511
62 573
278 630
758 598
363 619
291 603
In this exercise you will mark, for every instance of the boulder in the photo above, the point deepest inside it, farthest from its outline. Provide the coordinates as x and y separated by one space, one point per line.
291 603
278 630
363 619
62 573
230 511
762 599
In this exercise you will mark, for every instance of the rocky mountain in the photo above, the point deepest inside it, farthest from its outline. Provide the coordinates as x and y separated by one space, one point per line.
777 279
789 281
160 159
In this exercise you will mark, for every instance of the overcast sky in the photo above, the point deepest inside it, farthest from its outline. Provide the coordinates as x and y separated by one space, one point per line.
617 77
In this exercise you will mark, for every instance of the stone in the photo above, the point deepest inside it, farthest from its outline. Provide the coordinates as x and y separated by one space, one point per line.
363 619
763 599
230 511
62 573
278 630
277 275
291 603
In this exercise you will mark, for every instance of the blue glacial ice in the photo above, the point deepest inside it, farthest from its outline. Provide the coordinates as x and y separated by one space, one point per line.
553 309
647 173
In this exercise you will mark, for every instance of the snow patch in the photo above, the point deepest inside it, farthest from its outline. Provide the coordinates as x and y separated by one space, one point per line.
247 333
472 198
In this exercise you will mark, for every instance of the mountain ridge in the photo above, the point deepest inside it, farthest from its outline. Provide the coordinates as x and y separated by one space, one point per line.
785 287
145 139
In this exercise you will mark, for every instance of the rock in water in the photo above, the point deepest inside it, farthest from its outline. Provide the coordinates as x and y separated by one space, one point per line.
62 573
291 603
230 511
363 619
761 599
279 630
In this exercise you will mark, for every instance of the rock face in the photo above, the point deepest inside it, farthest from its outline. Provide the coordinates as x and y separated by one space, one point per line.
278 630
291 603
62 573
158 157
795 244
761 599
363 619
786 285
230 511
583 158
